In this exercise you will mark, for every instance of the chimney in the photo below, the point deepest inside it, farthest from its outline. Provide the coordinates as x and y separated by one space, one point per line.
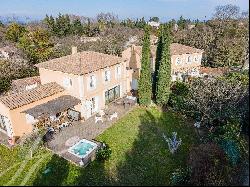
74 50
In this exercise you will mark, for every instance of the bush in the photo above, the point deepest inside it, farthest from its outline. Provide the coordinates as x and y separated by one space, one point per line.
4 84
104 153
209 166
180 176
231 149
177 96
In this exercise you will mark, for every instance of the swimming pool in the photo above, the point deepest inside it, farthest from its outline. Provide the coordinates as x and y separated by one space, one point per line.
82 148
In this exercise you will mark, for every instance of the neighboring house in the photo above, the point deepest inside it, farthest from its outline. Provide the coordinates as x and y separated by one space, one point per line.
185 61
191 26
154 24
25 84
89 39
213 72
175 27
10 52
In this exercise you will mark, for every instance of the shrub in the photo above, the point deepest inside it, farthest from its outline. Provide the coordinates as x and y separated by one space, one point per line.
180 176
4 84
208 165
104 153
231 149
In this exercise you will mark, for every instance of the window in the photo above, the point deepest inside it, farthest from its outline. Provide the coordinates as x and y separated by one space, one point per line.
112 94
67 82
196 58
118 71
178 61
189 60
92 82
107 76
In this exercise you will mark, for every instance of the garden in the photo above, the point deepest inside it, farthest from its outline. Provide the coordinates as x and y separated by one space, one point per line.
140 155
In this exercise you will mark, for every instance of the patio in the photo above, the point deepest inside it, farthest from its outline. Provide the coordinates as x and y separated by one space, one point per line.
87 130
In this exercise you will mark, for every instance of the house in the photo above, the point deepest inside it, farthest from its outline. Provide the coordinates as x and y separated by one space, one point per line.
10 52
185 61
154 24
81 84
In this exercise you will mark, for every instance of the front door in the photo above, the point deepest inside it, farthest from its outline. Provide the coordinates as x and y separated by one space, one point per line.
112 94
134 85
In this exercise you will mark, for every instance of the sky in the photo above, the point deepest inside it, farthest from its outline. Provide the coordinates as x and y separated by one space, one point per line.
164 9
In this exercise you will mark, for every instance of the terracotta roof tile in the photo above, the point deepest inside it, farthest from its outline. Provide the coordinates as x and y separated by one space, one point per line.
20 99
90 61
20 84
175 49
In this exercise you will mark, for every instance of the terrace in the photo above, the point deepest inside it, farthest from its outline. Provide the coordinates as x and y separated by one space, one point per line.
88 129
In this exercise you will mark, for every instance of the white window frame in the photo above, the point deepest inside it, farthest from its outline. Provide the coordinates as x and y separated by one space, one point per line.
67 82
117 72
107 77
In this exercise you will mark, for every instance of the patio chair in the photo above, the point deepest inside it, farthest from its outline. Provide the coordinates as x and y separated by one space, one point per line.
114 115
97 118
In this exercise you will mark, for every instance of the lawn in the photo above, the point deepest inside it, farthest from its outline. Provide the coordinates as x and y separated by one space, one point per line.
140 156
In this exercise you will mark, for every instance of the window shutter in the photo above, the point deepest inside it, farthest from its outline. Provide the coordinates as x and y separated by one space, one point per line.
94 81
119 70
109 76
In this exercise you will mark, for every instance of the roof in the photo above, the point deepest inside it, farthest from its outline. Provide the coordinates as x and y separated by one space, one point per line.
17 100
90 62
20 84
175 49
213 71
54 106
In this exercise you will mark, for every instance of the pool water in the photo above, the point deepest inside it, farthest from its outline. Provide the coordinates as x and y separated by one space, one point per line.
82 148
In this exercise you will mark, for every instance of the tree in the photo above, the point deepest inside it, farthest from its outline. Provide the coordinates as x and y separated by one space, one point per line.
14 32
226 12
145 83
156 19
62 25
216 99
1 24
77 27
50 22
36 45
158 59
208 165
181 23
164 72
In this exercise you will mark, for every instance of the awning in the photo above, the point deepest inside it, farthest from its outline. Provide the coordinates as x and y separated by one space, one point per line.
52 107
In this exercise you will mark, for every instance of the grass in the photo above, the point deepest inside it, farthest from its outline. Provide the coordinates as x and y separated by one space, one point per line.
140 156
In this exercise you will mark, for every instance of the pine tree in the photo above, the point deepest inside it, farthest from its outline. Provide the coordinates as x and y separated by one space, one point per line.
158 59
164 73
145 82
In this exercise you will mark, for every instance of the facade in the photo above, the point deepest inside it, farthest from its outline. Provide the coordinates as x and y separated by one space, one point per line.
185 61
90 80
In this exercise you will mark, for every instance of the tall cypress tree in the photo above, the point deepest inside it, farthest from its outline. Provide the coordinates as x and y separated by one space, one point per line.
164 73
145 80
158 59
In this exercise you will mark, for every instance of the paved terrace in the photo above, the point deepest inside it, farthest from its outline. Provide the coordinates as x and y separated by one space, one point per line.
85 130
